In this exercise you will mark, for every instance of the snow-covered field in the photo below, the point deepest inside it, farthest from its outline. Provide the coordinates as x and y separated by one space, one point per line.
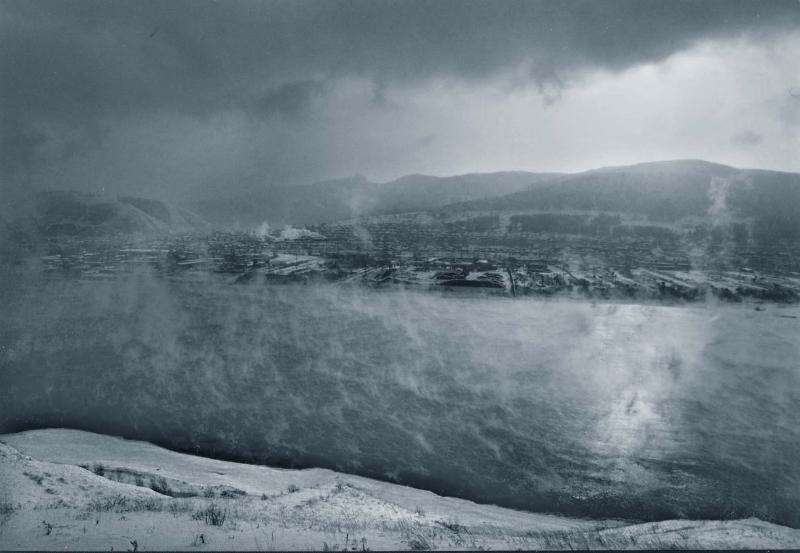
67 489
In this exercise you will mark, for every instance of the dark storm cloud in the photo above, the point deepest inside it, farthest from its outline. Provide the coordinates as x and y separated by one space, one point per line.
290 99
67 65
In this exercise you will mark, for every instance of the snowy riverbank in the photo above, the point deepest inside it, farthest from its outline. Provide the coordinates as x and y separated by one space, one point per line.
66 489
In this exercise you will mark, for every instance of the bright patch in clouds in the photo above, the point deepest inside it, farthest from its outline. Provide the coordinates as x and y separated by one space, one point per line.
724 102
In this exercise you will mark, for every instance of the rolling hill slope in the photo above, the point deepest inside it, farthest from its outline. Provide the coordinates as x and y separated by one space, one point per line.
356 196
75 214
684 191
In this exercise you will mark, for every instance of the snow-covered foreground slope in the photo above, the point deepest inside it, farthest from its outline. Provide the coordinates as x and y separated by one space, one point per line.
67 489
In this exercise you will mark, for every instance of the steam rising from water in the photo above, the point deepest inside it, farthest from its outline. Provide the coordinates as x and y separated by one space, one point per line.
603 410
722 217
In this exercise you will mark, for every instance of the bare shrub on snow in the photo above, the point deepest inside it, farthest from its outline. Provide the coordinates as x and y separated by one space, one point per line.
213 515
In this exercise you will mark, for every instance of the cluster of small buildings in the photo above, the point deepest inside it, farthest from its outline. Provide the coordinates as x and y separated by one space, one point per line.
584 268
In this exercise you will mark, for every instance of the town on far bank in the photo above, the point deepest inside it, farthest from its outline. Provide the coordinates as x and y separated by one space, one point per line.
304 256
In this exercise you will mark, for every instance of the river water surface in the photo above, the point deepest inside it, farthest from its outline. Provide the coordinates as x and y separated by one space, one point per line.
635 411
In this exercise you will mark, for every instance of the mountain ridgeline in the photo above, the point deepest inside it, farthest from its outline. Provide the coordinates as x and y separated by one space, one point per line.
765 205
347 198
64 214
687 196
59 213
696 198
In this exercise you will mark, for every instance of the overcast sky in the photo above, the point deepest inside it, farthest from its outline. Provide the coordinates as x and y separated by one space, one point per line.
186 99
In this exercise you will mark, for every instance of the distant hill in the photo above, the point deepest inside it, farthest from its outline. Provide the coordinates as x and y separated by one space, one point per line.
666 192
78 214
282 205
356 196
658 198
660 193
420 192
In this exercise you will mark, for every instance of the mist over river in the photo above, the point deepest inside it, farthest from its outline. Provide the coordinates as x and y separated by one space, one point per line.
605 410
